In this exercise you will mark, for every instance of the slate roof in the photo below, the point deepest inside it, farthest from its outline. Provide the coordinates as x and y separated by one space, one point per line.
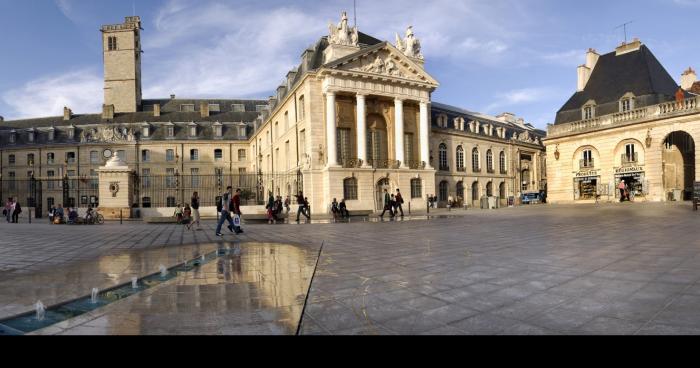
638 72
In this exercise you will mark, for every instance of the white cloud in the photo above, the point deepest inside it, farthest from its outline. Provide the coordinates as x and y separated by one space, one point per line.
80 90
508 99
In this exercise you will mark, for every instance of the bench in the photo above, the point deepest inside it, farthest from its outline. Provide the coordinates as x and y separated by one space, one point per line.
360 213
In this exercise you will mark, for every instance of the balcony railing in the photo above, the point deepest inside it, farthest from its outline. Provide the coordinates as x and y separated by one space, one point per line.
350 163
586 164
444 168
461 169
476 169
630 160
491 171
383 164
416 165
687 106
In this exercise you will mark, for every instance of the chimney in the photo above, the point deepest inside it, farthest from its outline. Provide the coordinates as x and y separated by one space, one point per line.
156 110
306 59
67 114
107 112
625 48
688 78
281 90
271 103
591 59
2 119
584 74
204 109
172 97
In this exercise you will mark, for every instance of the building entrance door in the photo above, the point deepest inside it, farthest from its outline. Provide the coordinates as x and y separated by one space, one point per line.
381 186
679 165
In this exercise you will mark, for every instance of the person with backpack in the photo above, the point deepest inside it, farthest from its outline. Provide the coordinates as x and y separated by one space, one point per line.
225 211
399 201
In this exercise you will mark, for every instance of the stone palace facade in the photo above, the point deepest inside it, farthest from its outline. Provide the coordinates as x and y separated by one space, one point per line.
354 118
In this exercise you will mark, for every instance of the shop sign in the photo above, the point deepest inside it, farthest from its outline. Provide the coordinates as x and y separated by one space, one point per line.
629 170
587 174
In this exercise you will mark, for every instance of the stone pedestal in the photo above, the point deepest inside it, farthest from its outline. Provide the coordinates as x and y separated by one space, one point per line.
115 189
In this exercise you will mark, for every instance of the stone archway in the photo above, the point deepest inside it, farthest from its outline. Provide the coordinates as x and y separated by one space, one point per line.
381 186
678 165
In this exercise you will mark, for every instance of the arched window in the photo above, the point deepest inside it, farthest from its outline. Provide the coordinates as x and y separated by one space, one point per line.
460 190
489 161
627 102
475 191
416 188
502 163
489 189
444 189
589 110
350 189
502 190
443 158
476 167
460 158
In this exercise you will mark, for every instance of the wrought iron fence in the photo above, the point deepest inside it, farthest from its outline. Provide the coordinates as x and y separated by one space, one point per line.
42 193
170 191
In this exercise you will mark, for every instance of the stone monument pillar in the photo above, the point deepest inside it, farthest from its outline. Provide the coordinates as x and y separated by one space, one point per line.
115 189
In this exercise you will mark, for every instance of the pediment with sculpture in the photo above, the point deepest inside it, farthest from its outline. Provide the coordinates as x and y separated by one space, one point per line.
389 62
107 134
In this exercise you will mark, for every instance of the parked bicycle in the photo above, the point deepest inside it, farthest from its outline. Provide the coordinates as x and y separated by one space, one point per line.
96 219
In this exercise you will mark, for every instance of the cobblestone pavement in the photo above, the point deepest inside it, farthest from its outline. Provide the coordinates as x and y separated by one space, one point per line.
607 269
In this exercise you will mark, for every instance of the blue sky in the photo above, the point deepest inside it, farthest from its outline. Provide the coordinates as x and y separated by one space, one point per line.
490 56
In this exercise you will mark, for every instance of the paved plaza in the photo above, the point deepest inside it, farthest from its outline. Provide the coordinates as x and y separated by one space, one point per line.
587 269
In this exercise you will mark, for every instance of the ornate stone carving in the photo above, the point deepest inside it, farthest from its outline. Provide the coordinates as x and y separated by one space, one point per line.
410 46
342 34
381 66
107 135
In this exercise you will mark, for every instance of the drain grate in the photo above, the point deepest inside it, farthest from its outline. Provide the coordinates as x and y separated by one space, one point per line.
28 322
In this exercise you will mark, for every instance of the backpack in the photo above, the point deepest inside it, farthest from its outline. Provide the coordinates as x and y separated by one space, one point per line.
399 198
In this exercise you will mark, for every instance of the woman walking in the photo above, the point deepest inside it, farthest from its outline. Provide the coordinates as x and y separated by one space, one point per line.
194 204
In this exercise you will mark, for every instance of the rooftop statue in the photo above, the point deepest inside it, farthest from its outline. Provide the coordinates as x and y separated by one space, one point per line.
342 34
410 46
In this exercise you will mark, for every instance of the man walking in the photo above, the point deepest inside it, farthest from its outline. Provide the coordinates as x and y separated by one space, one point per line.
387 204
194 204
399 201
236 207
225 211
16 210
302 206
8 210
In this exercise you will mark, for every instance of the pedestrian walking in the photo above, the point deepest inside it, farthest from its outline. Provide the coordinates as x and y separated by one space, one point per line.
621 187
399 202
194 204
387 204
270 207
236 208
335 209
287 204
343 209
301 201
7 211
16 210
225 211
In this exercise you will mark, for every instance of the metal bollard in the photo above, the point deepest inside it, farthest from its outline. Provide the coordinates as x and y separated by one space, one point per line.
409 208
30 215
121 217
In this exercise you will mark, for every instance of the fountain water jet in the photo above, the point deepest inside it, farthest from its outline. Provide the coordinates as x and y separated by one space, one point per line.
93 297
40 310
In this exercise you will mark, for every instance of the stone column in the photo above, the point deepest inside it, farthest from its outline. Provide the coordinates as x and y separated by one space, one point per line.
424 135
361 130
398 130
331 134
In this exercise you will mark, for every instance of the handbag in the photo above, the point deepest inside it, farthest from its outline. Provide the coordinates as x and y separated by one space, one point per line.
236 220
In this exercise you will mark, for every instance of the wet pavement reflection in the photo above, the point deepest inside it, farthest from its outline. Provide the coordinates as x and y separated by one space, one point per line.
255 289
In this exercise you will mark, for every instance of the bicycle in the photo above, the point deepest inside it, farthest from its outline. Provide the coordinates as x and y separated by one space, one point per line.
96 219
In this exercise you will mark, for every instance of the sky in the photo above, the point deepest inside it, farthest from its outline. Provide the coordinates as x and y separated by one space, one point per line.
494 56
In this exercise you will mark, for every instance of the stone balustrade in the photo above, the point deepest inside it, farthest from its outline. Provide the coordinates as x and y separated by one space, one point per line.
687 106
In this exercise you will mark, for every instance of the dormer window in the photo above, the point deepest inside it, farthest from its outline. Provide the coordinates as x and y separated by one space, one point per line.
146 131
459 124
71 132
192 130
588 110
170 131
52 134
218 130
187 108
627 102
442 121
214 108
13 137
30 136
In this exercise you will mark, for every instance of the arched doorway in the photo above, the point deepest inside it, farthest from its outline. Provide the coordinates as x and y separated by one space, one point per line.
502 193
460 193
489 189
381 186
475 194
377 142
679 165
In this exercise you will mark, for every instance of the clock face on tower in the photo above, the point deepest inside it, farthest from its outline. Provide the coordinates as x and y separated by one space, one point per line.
107 153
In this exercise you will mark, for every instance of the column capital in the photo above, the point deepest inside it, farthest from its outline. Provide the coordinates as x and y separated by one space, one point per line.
360 95
399 99
329 93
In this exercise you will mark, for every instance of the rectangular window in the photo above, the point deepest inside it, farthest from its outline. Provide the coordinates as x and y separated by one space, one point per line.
170 179
70 157
145 156
343 148
30 159
50 175
194 155
146 178
214 108
170 155
286 120
302 108
587 113
146 202
94 181
238 108
193 130
218 155
286 153
171 202
630 154
241 155
50 158
12 160
416 188
626 105
171 131
194 178
187 108
94 157
12 185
